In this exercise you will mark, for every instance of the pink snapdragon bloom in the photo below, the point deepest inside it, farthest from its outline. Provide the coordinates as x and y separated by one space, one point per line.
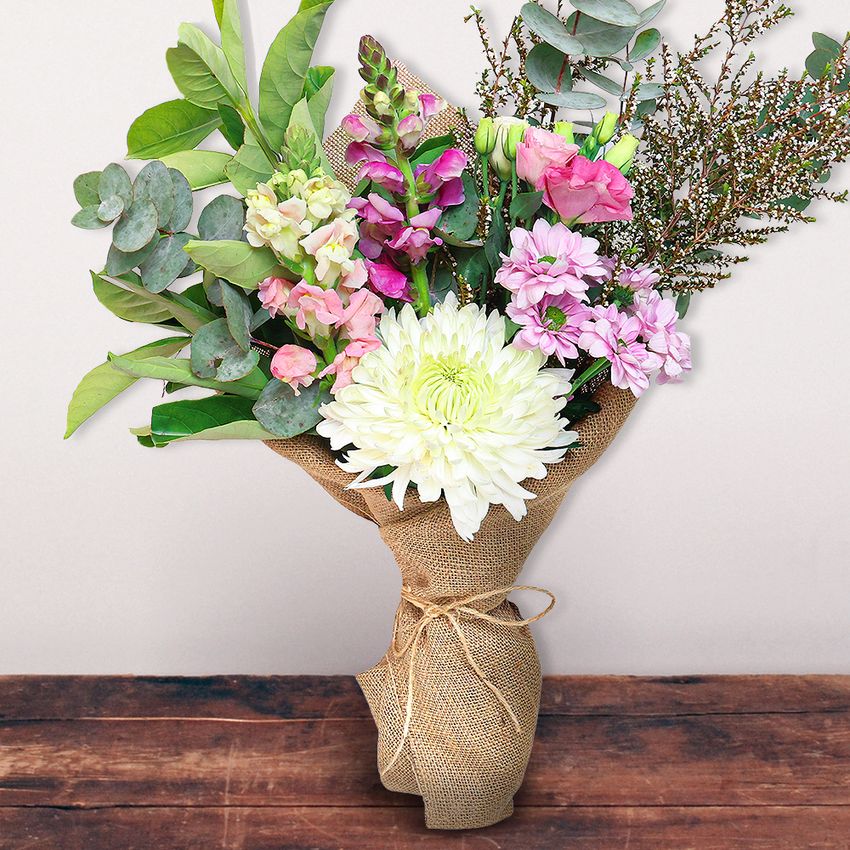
295 366
410 131
332 247
659 325
615 336
361 128
360 319
385 175
358 152
416 239
549 260
316 310
430 105
539 151
274 294
586 192
357 278
444 177
553 325
388 281
347 361
381 223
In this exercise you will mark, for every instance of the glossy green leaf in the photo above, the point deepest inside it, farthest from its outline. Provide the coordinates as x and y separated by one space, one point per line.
652 12
432 149
110 208
551 29
287 415
104 383
218 8
573 100
165 263
222 219
216 355
86 189
218 417
177 125
232 127
232 44
213 58
186 312
285 70
88 218
154 184
617 12
249 167
120 263
461 221
184 204
825 42
599 38
136 228
683 303
115 181
525 205
474 267
496 243
201 168
603 82
128 305
236 262
548 69
319 100
645 45
238 313
194 79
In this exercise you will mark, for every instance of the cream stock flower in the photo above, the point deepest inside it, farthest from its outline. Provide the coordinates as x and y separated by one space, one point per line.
454 410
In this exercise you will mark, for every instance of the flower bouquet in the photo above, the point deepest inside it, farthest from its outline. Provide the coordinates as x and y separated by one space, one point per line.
445 322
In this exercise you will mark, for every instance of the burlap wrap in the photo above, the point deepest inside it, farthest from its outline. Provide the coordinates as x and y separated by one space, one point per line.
464 742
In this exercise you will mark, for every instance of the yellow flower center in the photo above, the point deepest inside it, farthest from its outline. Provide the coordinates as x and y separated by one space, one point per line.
450 390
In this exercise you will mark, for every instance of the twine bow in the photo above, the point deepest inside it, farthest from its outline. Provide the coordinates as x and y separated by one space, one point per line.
451 611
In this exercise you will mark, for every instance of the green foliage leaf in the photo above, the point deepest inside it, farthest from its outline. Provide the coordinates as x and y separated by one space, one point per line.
165 263
86 189
617 12
285 69
213 59
201 168
648 91
431 149
287 415
548 69
599 38
128 305
645 45
461 221
319 99
573 99
525 205
184 204
88 218
651 13
603 82
188 313
110 208
194 79
825 42
154 184
238 313
819 64
177 125
236 262
232 127
222 219
249 167
137 227
231 42
497 242
216 355
103 384
302 118
683 303
115 181
551 29
219 417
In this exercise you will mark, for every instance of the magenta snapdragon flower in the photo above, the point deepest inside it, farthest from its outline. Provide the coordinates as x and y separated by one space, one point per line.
388 281
416 240
444 178
553 325
659 326
549 260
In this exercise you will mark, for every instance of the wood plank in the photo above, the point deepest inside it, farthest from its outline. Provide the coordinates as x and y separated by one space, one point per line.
605 828
800 759
314 697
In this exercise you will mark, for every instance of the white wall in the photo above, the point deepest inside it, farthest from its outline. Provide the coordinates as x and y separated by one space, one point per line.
712 538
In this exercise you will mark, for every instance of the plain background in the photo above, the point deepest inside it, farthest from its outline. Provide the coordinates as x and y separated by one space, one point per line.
713 537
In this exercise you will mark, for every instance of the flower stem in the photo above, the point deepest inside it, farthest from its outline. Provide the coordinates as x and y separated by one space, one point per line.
514 191
589 374
420 276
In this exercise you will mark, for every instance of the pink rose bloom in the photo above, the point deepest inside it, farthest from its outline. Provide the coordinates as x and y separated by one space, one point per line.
539 151
385 175
585 192
659 325
294 366
347 361
274 293
549 260
388 281
316 310
614 336
360 319
553 325
416 240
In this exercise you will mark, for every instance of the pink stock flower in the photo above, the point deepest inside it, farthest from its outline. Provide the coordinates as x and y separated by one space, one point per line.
360 319
659 326
553 325
316 310
361 128
549 260
539 151
387 280
586 192
385 175
416 239
347 361
274 294
294 366
615 336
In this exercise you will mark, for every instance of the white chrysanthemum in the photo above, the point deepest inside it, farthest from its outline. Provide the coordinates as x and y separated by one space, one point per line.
454 410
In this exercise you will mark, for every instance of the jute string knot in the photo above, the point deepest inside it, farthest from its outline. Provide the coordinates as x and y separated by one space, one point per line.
453 610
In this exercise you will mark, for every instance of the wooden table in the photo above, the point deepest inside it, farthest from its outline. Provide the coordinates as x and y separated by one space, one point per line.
286 763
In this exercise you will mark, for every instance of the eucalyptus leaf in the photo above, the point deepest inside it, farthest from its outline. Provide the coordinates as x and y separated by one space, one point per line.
111 208
651 13
474 267
819 63
154 184
231 42
232 127
617 12
249 167
287 415
236 262
136 228
603 82
128 305
461 221
222 219
216 355
174 126
573 99
238 314
201 168
86 189
285 69
165 263
648 91
115 181
548 68
645 45
825 42
599 38
199 419
184 204
443 283
551 29
120 263
88 218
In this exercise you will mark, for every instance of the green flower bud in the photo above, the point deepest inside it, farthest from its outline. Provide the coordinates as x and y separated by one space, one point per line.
485 137
606 128
565 129
502 163
515 135
623 153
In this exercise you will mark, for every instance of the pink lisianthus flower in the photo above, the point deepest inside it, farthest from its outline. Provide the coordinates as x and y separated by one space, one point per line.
347 361
388 281
295 366
586 192
659 326
416 240
615 336
549 260
360 319
539 151
385 175
553 325
274 294
316 310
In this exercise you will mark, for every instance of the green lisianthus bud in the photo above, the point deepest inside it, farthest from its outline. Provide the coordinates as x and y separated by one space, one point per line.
606 128
565 129
502 163
623 153
485 137
515 135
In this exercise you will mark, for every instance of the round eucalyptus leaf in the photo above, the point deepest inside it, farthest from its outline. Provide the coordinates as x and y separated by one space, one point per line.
818 63
216 355
550 28
617 12
165 263
599 38
548 69
155 185
115 181
825 42
573 99
183 202
191 268
648 91
287 415
136 228
85 189
111 208
88 219
605 83
222 219
120 263
651 13
645 45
